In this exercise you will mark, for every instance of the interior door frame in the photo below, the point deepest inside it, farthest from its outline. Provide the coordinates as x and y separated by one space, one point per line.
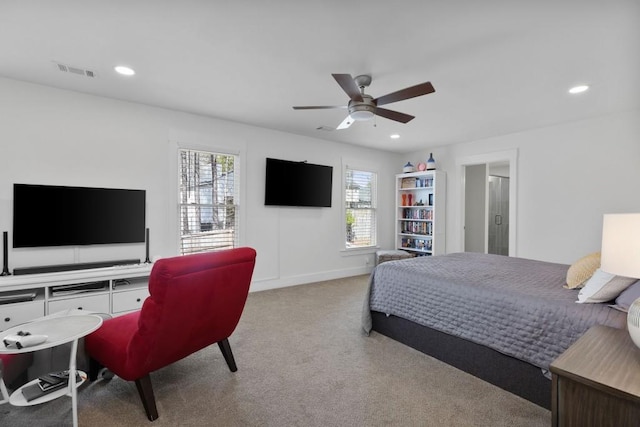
509 156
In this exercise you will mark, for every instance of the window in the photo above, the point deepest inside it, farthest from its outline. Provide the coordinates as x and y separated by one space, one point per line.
360 208
208 201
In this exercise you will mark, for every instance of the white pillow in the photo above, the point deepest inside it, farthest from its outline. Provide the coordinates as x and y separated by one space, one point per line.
603 287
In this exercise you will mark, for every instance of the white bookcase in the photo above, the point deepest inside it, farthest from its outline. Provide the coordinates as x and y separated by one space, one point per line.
420 216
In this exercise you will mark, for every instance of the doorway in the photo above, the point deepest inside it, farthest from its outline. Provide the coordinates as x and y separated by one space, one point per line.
488 220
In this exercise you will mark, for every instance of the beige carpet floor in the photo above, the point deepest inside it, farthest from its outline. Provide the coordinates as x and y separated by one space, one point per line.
303 360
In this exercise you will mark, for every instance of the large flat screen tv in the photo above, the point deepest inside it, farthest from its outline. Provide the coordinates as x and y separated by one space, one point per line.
290 183
49 215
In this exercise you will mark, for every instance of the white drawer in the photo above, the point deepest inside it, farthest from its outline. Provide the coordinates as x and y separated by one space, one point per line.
21 312
97 303
129 300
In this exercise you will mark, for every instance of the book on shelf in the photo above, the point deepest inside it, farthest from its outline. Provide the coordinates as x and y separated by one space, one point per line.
46 384
49 381
408 183
34 391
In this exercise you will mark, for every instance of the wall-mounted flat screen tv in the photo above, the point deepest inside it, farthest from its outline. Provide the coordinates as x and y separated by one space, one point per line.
48 215
289 183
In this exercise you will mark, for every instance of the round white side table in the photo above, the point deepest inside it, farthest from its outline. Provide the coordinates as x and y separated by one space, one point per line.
59 330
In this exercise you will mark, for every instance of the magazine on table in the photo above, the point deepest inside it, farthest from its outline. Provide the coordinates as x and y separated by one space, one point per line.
46 384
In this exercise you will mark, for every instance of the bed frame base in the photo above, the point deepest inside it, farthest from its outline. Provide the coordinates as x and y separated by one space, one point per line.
506 372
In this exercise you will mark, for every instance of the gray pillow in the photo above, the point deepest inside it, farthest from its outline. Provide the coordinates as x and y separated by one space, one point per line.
627 297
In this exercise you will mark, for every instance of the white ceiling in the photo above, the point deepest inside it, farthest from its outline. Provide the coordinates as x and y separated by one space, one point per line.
497 66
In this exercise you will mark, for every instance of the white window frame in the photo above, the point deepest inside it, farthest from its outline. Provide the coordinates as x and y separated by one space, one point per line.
236 241
374 208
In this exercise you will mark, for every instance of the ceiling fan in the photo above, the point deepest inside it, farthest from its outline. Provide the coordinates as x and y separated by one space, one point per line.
363 107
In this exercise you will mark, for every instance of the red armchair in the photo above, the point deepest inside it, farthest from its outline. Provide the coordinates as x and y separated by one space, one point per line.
195 301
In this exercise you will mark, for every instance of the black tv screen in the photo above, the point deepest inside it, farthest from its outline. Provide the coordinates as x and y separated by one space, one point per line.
290 183
48 215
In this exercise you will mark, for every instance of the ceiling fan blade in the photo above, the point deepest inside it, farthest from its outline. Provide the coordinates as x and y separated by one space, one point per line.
318 107
394 115
407 93
345 123
349 85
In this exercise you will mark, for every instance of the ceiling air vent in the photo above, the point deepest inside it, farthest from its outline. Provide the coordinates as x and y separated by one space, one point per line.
75 70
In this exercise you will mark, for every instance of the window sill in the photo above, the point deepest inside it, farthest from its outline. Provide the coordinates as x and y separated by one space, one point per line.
359 251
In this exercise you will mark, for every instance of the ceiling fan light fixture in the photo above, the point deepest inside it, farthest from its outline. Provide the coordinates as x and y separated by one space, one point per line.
362 111
362 115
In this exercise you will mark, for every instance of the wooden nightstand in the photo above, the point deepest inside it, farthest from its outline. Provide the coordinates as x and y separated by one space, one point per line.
596 382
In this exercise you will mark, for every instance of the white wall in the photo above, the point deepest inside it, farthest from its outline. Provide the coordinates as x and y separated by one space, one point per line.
475 224
50 136
568 177
499 169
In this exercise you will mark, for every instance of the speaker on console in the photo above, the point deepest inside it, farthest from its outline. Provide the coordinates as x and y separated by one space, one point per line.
146 241
5 255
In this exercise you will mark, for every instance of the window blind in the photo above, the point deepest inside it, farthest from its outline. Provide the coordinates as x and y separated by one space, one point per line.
207 201
360 203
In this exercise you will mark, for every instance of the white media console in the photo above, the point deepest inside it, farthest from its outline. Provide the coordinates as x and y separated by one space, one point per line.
115 290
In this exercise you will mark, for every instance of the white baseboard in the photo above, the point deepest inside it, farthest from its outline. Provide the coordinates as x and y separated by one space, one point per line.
283 282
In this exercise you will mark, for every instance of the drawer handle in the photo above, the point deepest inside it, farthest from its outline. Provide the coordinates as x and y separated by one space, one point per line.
7 319
79 308
138 300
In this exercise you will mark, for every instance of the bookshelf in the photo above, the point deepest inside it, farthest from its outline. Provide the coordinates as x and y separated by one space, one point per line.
420 216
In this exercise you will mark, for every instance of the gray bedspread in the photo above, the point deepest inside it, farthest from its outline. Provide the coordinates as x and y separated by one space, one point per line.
513 305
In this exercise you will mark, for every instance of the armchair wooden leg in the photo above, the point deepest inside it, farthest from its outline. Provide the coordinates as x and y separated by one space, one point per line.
225 348
94 369
146 395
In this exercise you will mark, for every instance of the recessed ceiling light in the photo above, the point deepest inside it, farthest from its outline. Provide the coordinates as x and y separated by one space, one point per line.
579 89
395 136
125 71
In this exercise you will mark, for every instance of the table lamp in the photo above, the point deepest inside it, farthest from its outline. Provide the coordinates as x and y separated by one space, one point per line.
621 256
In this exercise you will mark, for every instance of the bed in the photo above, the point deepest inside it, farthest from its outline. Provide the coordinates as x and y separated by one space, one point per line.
502 319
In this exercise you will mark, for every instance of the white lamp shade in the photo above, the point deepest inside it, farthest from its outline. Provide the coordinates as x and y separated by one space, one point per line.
621 244
620 255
